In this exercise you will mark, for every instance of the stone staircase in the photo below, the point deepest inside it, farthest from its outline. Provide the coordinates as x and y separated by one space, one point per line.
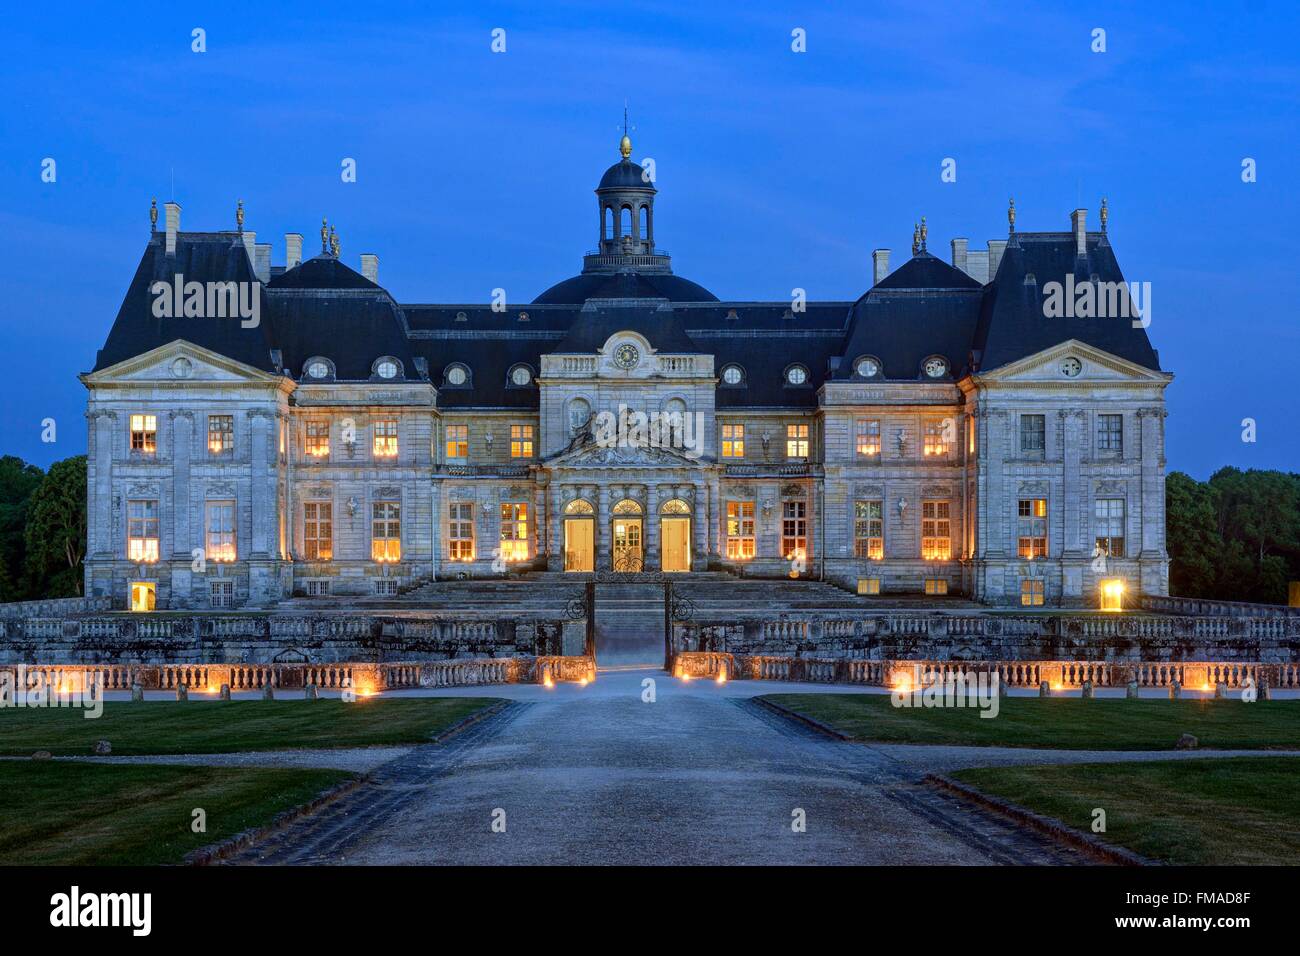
629 625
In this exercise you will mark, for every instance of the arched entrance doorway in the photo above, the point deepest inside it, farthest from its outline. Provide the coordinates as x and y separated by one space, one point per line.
675 535
579 536
628 536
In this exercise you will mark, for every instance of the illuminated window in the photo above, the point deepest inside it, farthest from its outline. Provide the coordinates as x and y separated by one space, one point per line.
794 529
460 531
796 441
143 594
733 441
385 531
1108 527
521 441
1112 594
970 435
936 585
937 437
221 593
142 531
1033 435
740 530
868 585
514 531
1031 592
1033 528
144 434
869 530
868 432
457 442
936 531
318 530
318 439
221 434
219 541
1110 434
384 440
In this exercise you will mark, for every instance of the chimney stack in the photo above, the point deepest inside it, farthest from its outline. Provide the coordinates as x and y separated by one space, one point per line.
370 266
879 265
172 211
959 254
292 249
996 248
250 244
1079 224
262 262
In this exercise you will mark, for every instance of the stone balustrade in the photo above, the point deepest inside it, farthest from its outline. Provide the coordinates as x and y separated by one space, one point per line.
576 668
1193 675
994 635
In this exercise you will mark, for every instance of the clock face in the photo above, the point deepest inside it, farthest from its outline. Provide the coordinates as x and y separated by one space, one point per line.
1071 367
627 355
935 367
868 367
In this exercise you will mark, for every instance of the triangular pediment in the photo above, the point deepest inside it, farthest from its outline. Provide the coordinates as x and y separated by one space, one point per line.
1095 367
179 362
595 455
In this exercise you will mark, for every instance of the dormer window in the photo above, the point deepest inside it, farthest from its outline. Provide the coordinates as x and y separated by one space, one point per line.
796 375
936 367
733 375
318 369
457 375
387 368
867 367
521 375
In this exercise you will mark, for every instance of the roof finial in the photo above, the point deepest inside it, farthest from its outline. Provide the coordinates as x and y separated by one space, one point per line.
1011 214
625 144
334 243
324 236
153 215
239 215
925 231
1105 213
916 238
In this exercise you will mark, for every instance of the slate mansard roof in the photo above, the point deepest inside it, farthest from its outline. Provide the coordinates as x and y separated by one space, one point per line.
925 308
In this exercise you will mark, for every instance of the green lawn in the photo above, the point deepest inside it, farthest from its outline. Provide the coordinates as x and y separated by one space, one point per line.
74 814
1067 723
1235 810
208 726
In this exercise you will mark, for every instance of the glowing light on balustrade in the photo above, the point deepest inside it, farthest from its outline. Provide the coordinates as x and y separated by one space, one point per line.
722 674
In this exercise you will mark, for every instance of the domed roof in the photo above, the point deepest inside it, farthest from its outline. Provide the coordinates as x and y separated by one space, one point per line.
625 175
624 285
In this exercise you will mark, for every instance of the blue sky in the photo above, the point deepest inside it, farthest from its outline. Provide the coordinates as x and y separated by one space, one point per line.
775 169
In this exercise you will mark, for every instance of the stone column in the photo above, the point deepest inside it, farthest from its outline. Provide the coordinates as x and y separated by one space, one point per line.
100 509
653 555
700 529
1072 421
1152 506
435 528
604 550
555 529
262 485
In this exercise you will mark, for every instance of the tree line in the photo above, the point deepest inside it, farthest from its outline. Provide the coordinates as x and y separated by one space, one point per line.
1234 537
42 529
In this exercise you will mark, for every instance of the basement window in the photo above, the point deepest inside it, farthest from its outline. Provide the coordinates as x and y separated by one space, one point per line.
936 585
868 585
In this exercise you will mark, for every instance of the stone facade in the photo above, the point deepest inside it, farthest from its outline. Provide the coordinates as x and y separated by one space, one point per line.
465 443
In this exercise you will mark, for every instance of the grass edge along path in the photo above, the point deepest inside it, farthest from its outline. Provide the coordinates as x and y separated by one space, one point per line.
1237 811
1057 723
211 726
76 814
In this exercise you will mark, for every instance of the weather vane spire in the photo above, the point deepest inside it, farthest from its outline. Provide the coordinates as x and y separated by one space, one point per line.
625 144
